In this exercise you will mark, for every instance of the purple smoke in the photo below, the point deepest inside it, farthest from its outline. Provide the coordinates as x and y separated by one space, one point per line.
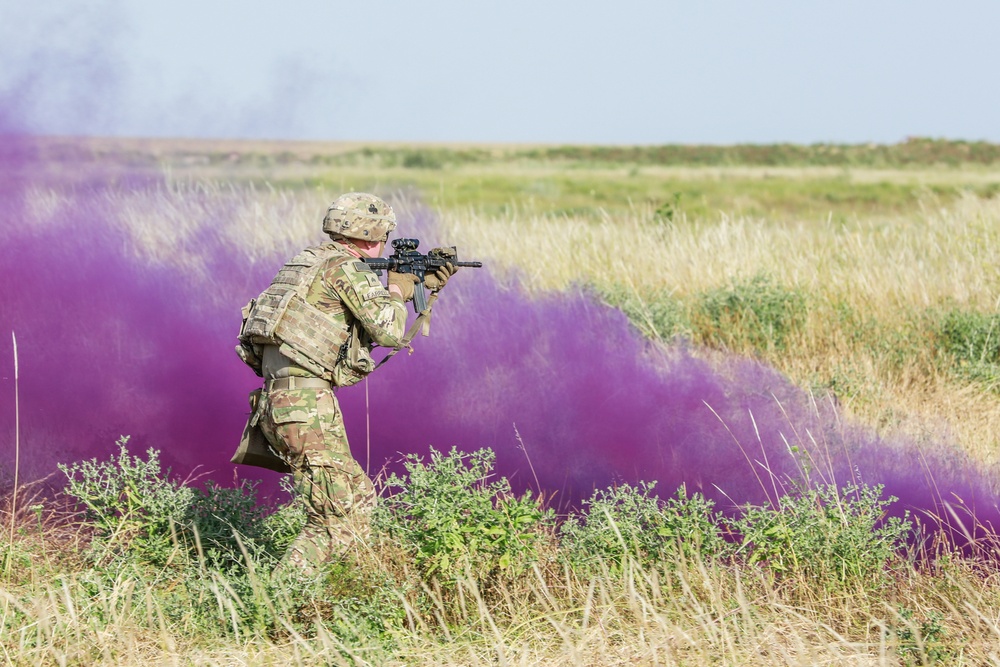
567 387
567 393
107 344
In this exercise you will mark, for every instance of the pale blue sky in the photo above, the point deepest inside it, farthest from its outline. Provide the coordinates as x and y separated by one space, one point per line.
628 71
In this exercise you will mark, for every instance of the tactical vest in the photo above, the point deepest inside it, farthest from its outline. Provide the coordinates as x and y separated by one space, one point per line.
282 316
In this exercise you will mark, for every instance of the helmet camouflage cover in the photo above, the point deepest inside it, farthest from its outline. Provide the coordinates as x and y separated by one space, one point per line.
359 215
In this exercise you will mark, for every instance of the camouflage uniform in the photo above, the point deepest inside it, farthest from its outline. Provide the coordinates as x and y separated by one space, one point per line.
307 334
305 425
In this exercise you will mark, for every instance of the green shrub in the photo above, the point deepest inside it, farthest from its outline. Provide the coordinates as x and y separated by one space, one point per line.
758 313
660 316
669 210
920 638
972 341
971 336
423 159
139 515
133 510
829 536
452 519
630 522
207 555
218 514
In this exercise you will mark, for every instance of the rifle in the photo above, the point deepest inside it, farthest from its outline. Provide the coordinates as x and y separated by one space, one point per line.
406 259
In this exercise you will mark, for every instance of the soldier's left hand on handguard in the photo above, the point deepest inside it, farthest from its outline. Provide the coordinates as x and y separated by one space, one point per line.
439 278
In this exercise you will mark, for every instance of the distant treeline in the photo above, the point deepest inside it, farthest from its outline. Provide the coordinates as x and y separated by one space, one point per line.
912 152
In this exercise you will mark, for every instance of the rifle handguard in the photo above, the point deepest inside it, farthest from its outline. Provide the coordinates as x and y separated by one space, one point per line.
407 259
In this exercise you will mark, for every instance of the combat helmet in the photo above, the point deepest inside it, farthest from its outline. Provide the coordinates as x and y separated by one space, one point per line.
359 215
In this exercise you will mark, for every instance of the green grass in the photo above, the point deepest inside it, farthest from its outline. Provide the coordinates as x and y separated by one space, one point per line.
591 192
780 183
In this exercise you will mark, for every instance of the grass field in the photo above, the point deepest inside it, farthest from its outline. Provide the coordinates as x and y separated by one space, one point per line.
868 273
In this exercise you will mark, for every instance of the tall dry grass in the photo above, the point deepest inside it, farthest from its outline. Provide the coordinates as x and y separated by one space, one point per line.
689 613
883 264
884 270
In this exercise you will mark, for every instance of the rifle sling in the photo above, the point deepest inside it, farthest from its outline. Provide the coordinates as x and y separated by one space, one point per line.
423 321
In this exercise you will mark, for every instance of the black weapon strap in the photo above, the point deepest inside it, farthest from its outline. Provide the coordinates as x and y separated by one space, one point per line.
422 324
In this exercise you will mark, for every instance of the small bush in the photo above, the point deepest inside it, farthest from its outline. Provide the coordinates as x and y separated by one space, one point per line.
132 508
422 159
669 210
972 341
139 515
829 536
757 313
452 519
630 522
920 638
218 514
660 316
971 337
207 555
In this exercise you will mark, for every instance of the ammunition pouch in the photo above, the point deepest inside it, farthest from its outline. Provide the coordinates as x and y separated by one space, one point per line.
311 338
254 449
281 316
354 362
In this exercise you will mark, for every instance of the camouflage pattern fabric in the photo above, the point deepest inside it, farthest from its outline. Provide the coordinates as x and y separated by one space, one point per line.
359 215
340 293
306 428
350 289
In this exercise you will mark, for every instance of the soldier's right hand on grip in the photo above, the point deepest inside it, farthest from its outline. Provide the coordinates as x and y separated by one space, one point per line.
405 282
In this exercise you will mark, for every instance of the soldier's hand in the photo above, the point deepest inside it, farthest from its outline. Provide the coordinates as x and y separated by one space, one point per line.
435 281
405 282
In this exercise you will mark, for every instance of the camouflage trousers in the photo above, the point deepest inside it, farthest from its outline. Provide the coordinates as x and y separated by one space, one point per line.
306 427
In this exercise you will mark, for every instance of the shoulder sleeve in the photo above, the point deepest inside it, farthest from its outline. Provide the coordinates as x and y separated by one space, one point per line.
381 314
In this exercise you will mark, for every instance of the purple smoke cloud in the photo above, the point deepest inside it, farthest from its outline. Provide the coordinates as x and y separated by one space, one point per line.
562 388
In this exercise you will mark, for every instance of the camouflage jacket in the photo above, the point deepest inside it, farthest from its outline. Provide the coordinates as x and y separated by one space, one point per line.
326 309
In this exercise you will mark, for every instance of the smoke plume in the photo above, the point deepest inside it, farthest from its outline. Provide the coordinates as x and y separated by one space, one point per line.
564 390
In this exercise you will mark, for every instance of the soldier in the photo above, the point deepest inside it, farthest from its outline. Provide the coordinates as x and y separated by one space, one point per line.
309 333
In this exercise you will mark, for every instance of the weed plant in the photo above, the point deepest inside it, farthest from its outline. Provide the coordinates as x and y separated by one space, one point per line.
836 538
972 341
452 518
139 515
626 523
755 314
